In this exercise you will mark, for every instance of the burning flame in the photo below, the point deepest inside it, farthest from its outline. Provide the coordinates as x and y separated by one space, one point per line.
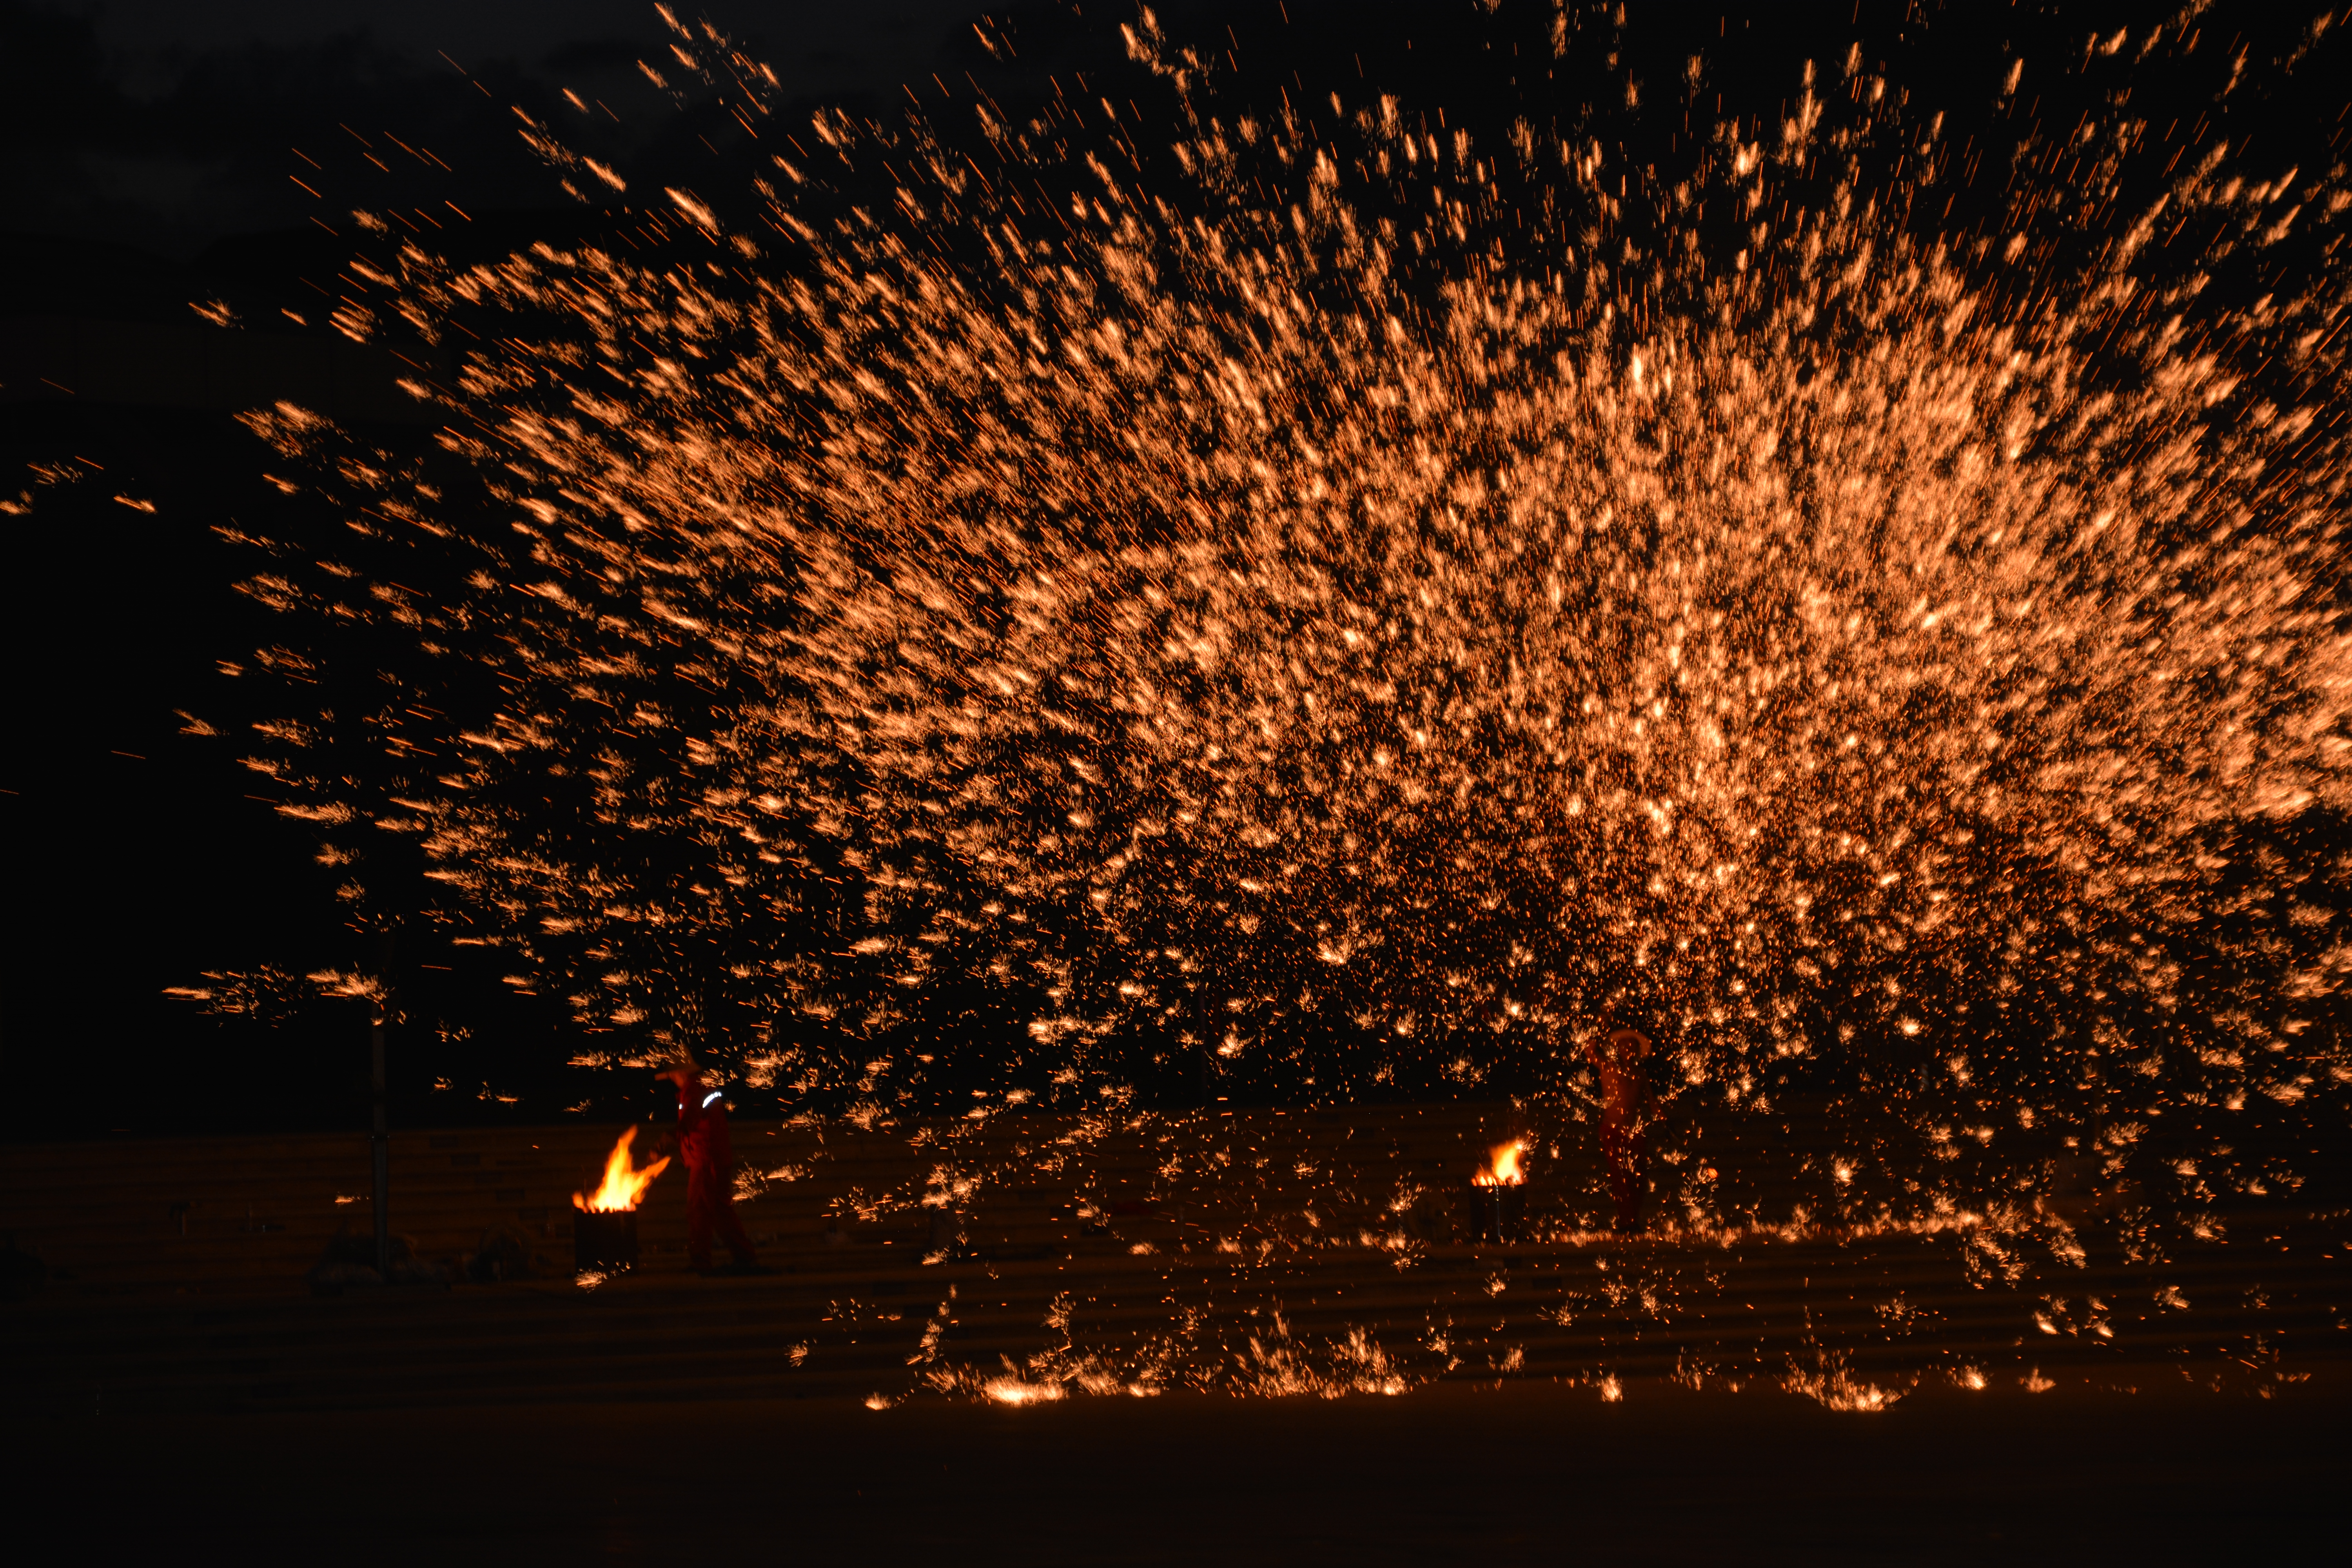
1502 1165
624 1184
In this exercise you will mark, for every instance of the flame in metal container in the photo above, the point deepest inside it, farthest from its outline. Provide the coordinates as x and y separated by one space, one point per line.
1502 1165
625 1182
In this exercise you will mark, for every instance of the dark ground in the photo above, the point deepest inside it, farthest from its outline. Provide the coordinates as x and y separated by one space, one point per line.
1530 1473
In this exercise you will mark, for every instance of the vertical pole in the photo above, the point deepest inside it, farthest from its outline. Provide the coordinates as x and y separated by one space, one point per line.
380 1141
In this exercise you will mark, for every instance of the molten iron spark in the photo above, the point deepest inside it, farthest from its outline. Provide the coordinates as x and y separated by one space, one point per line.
1320 580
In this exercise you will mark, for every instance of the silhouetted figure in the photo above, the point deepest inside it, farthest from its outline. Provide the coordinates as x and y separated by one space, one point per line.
1624 1103
349 1261
503 1254
710 1170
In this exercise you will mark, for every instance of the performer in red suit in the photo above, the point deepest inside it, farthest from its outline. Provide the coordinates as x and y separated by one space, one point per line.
710 1168
1624 1104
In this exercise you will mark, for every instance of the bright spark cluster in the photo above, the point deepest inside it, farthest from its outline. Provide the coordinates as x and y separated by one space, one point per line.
1199 582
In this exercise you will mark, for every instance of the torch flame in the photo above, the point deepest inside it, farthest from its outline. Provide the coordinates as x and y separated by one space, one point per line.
1502 1165
624 1184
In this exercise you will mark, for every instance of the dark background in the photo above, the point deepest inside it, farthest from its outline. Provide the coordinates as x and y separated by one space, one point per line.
150 155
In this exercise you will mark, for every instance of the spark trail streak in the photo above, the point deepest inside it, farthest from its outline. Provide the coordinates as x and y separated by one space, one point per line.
1332 579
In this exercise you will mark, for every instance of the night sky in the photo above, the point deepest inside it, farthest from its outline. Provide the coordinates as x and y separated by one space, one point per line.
154 152
169 126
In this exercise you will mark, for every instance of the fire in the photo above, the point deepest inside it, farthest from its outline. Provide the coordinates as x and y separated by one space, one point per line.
1502 1165
624 1184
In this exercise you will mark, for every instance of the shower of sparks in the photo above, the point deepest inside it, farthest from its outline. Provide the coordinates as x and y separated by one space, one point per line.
1330 600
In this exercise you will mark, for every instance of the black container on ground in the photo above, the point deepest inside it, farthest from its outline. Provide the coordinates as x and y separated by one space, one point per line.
605 1241
1499 1213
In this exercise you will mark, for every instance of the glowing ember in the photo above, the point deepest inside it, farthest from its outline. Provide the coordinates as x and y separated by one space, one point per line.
624 1183
1014 1390
1834 1384
1502 1166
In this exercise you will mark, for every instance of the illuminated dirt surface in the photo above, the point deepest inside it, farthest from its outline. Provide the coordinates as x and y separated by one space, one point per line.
1259 1253
1061 1389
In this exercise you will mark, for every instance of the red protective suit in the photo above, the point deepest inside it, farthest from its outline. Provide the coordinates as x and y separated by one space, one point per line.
1624 1105
710 1174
